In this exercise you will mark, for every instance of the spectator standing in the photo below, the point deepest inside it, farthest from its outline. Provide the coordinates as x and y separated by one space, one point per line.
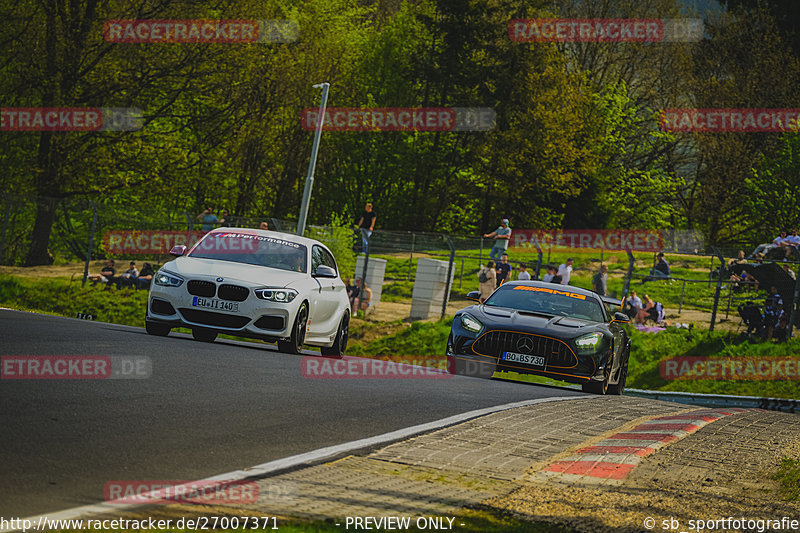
225 221
565 272
501 237
367 224
523 275
600 281
551 274
503 270
263 225
487 280
208 219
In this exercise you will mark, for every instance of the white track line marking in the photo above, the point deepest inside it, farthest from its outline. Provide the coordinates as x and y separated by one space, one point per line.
293 461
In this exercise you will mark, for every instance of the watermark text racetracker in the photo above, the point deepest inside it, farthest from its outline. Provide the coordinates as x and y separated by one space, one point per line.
396 367
201 31
730 120
75 367
599 30
79 119
725 368
400 119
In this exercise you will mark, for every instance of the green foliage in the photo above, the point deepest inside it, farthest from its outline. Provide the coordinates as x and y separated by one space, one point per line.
788 475
338 236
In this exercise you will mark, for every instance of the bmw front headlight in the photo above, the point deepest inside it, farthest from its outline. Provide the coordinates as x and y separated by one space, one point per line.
276 295
167 279
589 343
470 323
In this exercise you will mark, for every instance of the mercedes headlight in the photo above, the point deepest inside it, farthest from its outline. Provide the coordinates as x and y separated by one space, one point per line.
589 342
167 279
470 323
276 295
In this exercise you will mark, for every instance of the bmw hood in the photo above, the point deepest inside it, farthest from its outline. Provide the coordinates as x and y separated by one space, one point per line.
230 271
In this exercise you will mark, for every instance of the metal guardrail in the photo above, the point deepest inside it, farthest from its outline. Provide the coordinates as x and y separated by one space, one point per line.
719 400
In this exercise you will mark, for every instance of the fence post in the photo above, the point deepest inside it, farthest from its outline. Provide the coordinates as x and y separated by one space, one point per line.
5 226
683 291
627 285
449 274
730 298
538 261
361 290
793 315
89 245
189 221
480 255
461 277
719 285
276 224
411 257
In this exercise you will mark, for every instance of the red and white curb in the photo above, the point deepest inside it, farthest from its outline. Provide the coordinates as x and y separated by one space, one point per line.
609 461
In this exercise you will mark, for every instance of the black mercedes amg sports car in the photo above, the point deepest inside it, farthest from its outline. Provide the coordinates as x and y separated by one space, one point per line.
532 327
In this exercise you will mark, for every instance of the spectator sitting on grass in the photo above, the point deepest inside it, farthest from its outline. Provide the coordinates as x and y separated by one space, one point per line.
106 274
145 276
791 243
634 305
645 312
773 311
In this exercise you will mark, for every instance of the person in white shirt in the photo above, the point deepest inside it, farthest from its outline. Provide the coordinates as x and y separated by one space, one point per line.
790 243
523 275
565 271
635 304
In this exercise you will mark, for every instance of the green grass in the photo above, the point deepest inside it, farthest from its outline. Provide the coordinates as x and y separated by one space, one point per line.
697 294
65 297
788 476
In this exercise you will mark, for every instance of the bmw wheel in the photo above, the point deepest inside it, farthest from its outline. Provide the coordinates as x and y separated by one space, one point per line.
295 343
340 342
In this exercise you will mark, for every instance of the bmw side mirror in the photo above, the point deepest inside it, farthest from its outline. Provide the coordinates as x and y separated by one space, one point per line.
178 250
474 295
621 317
324 271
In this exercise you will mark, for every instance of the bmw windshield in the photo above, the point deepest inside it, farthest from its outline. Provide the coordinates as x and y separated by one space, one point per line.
272 252
547 301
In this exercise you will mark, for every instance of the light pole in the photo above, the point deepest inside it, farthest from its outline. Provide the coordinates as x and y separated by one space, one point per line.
301 222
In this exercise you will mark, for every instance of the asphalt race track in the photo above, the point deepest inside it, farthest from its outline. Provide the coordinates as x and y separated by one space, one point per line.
206 409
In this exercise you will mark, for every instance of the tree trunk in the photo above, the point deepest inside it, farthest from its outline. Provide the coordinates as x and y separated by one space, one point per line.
39 254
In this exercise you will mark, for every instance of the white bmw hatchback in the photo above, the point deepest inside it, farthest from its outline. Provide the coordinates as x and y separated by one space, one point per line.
253 283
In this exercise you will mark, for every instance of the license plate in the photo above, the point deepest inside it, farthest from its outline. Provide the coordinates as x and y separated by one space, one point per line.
211 303
534 360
